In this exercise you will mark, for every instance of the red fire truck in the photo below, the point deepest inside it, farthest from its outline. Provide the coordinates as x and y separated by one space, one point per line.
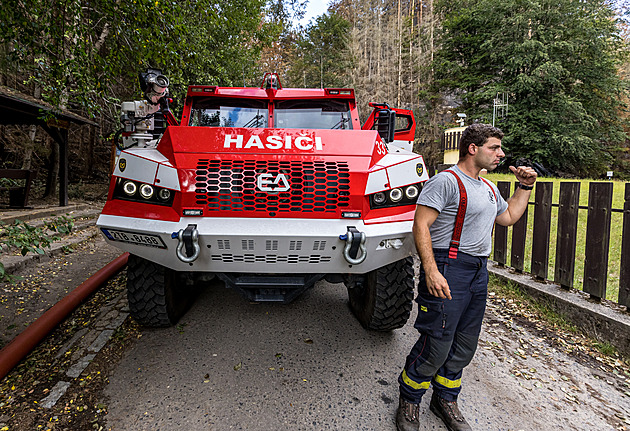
270 190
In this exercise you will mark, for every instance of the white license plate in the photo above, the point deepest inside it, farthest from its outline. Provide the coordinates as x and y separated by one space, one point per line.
134 238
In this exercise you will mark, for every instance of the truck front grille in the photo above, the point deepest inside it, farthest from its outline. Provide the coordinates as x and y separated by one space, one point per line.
271 259
313 186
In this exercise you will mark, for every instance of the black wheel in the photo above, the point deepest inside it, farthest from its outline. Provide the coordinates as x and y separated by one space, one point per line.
157 296
383 302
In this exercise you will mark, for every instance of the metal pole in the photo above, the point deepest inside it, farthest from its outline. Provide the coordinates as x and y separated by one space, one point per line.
321 71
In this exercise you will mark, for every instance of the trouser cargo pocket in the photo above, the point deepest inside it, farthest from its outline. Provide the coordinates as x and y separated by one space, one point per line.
431 318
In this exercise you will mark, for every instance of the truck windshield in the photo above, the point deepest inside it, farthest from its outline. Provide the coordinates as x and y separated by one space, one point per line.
312 114
218 112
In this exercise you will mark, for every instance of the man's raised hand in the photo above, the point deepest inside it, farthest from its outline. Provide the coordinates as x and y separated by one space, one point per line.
525 175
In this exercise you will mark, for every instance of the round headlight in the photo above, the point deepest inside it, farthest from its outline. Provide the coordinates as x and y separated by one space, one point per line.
164 194
146 191
411 192
379 198
395 195
129 187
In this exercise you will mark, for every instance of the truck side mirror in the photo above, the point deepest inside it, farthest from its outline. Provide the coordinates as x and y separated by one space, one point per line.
385 122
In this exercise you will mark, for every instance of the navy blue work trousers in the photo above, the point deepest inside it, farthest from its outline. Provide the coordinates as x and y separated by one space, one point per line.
449 329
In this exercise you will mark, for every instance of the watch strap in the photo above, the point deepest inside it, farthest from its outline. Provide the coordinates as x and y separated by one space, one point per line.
524 187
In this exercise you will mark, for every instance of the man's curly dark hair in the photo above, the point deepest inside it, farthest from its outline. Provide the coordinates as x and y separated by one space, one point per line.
477 134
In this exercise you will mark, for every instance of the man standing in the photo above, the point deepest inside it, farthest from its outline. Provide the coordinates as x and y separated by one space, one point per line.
452 229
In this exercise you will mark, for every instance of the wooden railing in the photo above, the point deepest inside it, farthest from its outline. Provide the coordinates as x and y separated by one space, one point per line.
597 238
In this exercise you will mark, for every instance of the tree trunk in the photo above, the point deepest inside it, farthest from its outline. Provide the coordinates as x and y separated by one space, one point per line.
400 42
32 134
53 169
28 148
432 26
89 157
4 63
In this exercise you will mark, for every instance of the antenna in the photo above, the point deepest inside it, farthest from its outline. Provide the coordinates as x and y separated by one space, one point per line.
499 106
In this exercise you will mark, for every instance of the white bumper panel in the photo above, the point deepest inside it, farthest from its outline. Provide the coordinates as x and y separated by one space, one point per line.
254 245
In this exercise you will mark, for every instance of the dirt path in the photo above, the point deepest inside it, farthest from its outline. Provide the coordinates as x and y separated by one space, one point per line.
44 283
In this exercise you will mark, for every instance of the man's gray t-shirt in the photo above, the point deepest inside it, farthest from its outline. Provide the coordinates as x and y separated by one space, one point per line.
441 193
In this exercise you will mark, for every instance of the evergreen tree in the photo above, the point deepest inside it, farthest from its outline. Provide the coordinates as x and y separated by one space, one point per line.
557 61
321 56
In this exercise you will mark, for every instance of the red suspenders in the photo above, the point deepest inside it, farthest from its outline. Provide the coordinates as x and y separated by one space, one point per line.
461 213
459 219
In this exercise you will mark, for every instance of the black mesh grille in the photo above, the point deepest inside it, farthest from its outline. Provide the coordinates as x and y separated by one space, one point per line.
231 185
270 259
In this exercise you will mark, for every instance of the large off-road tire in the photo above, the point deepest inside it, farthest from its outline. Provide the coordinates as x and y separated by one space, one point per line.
384 301
157 296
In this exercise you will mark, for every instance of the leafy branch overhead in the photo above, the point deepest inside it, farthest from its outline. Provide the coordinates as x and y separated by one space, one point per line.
81 52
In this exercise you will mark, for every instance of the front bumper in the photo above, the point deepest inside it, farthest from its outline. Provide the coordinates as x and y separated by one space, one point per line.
263 245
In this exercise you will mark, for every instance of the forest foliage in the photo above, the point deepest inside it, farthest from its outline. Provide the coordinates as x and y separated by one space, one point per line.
562 65
86 54
557 61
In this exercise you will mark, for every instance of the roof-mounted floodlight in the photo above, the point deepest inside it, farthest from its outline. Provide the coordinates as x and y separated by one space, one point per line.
154 85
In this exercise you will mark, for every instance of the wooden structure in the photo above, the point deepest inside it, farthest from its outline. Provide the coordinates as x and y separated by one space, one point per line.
20 109
18 195
450 145
597 237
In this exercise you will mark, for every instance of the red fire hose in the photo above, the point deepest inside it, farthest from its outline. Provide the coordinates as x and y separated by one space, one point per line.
26 341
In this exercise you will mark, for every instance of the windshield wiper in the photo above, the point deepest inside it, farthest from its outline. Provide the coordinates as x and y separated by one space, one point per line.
341 124
255 121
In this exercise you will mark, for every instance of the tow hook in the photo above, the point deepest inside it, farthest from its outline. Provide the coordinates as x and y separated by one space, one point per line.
189 239
355 251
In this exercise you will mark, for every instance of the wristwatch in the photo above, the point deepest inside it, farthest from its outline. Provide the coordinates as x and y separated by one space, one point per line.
524 187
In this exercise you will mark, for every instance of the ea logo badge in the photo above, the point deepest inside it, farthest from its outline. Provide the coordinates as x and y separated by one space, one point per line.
491 197
122 164
419 169
267 183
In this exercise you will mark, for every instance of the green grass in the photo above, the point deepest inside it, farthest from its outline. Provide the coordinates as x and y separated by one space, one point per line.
614 257
606 348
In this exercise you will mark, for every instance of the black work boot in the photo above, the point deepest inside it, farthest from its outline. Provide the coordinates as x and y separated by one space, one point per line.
449 413
407 416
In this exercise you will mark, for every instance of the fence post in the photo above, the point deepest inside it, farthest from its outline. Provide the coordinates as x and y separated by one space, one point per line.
597 239
519 237
542 229
624 274
501 232
569 203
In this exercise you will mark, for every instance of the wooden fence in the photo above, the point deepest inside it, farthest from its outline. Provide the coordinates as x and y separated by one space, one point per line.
598 234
